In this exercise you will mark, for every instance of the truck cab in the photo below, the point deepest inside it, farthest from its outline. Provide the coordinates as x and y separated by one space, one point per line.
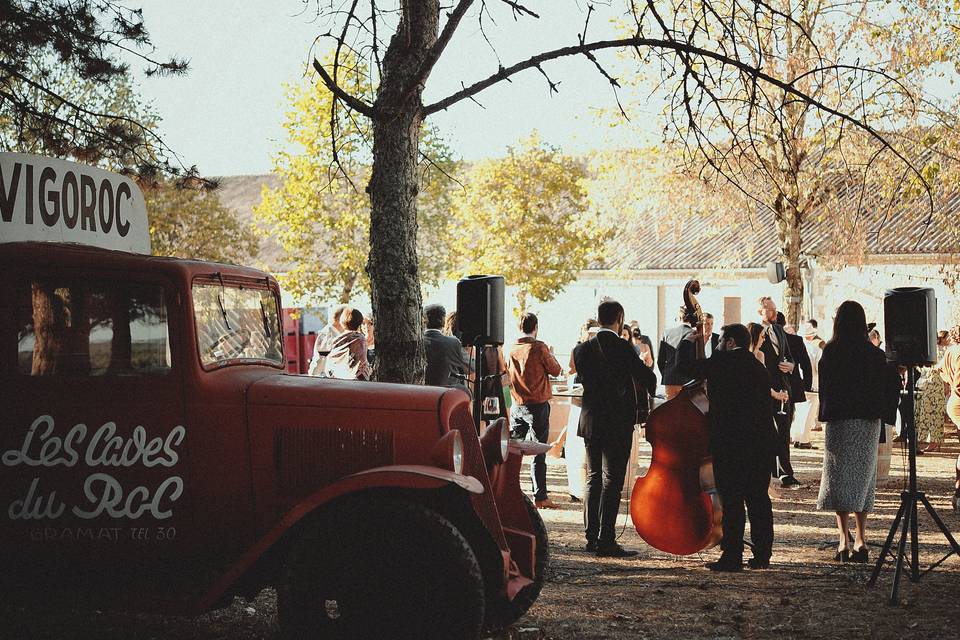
155 455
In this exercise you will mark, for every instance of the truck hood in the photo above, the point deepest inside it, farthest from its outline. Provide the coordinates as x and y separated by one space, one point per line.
308 391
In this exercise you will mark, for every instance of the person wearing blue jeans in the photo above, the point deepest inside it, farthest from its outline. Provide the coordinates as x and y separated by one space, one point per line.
531 365
535 418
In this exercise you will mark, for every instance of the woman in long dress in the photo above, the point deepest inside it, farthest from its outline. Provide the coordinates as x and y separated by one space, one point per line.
949 368
854 397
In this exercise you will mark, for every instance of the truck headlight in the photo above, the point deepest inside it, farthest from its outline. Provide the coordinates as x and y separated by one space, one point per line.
448 452
495 441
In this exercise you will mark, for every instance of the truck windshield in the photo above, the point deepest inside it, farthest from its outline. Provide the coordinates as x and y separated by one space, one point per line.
236 323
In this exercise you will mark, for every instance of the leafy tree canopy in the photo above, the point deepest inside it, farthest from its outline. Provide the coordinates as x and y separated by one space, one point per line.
320 213
193 223
526 217
62 84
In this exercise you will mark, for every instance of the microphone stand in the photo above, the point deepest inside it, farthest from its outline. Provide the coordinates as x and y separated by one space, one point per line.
478 349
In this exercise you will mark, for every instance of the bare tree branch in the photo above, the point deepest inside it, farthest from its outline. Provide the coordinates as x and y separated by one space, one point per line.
351 101
423 72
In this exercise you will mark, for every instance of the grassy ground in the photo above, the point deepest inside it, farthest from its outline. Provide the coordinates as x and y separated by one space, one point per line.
803 595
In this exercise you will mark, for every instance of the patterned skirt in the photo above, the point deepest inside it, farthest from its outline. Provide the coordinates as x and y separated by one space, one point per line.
849 465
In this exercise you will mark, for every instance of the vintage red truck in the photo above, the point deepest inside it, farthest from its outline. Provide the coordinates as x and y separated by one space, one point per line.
156 456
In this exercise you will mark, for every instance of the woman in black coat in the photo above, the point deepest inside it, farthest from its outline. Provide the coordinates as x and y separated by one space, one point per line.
855 394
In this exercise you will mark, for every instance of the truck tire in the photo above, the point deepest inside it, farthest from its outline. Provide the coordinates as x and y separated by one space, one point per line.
503 612
381 569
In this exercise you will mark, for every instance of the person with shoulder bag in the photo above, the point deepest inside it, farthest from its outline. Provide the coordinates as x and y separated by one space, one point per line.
616 384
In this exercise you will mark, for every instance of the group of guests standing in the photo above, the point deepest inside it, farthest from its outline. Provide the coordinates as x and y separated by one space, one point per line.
517 387
756 375
787 357
345 347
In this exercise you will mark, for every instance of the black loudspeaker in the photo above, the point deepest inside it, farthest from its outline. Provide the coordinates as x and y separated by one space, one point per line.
910 320
480 309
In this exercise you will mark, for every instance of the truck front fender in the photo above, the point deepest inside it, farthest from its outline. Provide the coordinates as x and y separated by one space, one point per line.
418 477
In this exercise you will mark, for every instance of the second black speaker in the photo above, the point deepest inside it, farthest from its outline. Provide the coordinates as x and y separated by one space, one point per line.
910 321
480 309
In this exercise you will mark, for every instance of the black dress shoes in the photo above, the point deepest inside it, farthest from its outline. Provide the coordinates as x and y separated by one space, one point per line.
614 550
756 563
591 546
789 482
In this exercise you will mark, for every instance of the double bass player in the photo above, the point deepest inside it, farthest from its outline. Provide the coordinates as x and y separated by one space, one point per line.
742 442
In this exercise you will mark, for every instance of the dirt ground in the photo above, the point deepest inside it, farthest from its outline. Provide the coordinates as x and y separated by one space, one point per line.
803 595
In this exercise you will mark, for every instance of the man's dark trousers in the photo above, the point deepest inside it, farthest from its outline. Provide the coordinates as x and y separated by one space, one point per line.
782 467
536 417
742 481
607 456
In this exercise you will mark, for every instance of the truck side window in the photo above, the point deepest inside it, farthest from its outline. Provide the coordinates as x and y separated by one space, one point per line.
236 323
68 327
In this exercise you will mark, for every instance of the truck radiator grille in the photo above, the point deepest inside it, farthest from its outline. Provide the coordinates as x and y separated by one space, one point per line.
309 458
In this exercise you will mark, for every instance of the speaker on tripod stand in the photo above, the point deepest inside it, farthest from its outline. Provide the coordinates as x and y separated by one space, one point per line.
480 315
910 316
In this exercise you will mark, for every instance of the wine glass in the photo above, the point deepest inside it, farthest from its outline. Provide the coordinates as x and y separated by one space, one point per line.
783 403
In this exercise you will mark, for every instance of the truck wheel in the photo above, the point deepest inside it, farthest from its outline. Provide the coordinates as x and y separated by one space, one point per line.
381 570
503 612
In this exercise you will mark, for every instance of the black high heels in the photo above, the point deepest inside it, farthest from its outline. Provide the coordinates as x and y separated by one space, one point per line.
842 556
860 556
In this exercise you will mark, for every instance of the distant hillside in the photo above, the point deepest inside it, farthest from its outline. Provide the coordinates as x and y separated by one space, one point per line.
241 194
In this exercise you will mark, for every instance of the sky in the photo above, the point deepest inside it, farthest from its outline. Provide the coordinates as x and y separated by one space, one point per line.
226 114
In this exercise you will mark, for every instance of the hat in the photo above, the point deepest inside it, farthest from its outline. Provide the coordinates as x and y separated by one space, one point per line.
807 330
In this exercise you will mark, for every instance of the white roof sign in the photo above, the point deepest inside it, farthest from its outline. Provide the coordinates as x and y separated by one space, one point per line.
51 200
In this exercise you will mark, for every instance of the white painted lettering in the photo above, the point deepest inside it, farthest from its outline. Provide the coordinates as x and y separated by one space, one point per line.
109 498
32 507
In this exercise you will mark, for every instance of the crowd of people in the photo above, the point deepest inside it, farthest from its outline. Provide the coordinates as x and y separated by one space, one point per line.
759 376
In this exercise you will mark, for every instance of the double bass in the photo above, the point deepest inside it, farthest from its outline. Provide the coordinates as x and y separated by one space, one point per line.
675 507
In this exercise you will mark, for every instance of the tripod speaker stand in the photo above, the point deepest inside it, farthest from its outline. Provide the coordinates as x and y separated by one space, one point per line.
905 309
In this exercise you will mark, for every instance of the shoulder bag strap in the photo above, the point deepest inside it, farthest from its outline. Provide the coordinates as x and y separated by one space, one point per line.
633 383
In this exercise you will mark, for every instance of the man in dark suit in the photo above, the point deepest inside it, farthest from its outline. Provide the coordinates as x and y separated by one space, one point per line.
742 443
790 370
614 381
670 377
445 358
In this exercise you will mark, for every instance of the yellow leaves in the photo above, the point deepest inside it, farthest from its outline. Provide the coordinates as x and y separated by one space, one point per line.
522 216
321 217
188 223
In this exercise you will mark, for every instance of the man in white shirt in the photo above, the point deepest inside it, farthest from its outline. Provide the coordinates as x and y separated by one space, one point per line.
811 341
325 339
710 339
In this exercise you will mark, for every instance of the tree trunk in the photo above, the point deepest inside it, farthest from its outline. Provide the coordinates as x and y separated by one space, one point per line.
788 234
61 330
49 337
392 264
121 345
347 291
